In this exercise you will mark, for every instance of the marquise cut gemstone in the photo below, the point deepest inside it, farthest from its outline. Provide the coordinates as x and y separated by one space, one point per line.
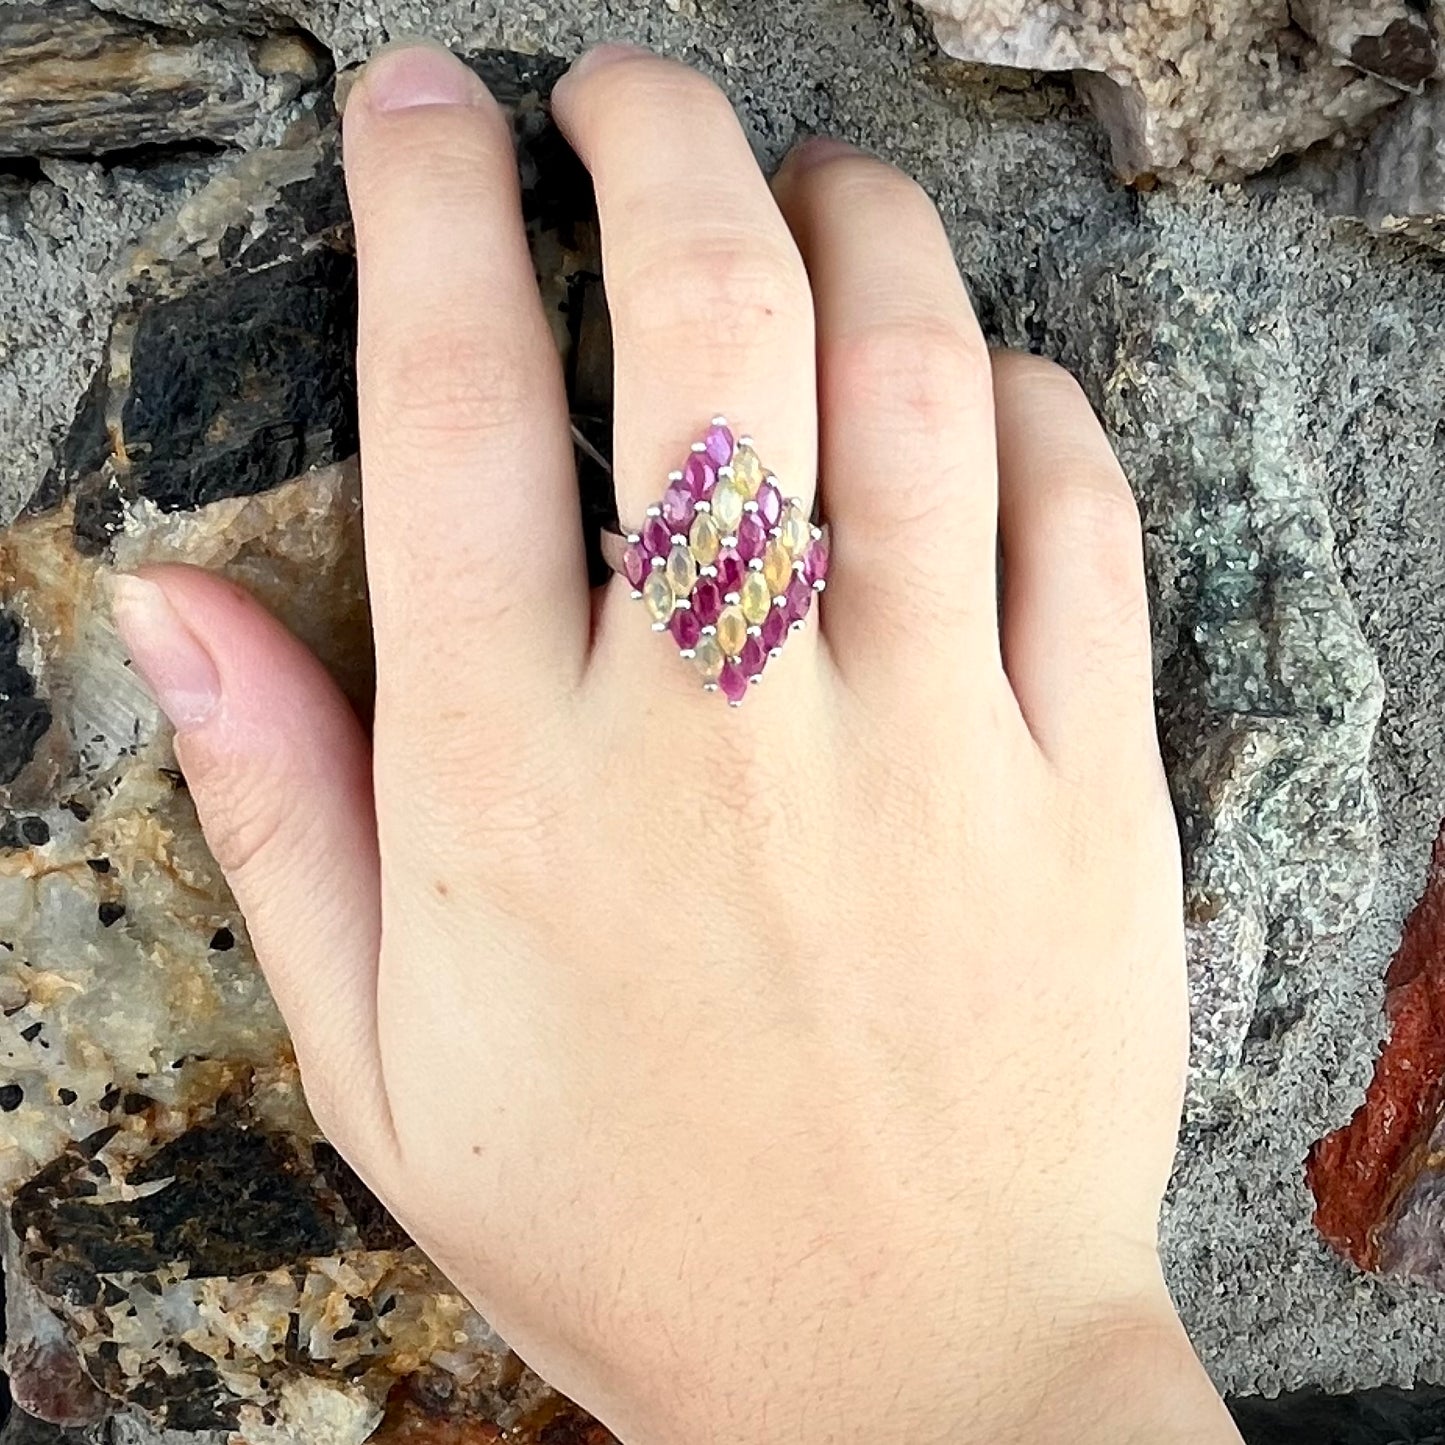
748 470
800 599
681 570
698 476
770 504
754 656
752 537
719 445
732 630
708 658
775 629
686 629
658 596
730 571
707 601
797 535
677 507
734 683
727 504
705 538
777 566
634 564
756 599
657 537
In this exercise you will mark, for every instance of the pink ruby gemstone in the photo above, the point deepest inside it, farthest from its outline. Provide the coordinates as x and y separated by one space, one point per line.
770 505
719 446
815 564
775 629
800 599
657 537
734 682
730 572
706 602
677 507
698 477
754 656
752 537
686 629
634 564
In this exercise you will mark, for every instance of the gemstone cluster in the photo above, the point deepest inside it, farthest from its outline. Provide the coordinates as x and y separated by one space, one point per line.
725 564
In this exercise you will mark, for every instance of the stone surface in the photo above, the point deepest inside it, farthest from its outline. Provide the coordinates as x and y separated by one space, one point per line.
1270 376
77 80
1397 185
1224 88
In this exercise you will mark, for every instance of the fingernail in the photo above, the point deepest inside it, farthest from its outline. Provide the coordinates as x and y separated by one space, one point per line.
607 54
171 661
816 150
414 73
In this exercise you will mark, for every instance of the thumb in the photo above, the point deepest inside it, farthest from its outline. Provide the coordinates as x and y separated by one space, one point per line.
280 771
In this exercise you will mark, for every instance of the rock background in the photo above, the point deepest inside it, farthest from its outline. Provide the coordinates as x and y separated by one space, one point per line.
1270 369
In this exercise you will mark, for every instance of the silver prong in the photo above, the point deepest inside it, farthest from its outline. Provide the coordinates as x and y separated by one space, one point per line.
745 441
697 447
820 585
710 630
775 652
707 571
735 702
633 538
755 679
750 505
816 531
687 652
679 539
797 626
659 627
709 687
756 565
729 541
702 506
683 604
636 595
718 421
755 632
658 563
732 598
725 472
780 600
655 510
674 476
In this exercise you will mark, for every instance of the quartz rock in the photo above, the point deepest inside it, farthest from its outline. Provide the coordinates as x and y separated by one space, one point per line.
1221 89
76 80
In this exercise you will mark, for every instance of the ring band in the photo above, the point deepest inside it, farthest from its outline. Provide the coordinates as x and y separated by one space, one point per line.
724 563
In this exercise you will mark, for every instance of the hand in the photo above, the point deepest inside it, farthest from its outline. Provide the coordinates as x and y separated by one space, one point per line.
806 1072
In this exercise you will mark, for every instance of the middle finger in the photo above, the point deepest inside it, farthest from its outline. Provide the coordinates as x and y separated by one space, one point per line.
710 304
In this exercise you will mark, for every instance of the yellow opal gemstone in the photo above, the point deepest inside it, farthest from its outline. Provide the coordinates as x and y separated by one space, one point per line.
708 657
756 599
681 570
658 596
705 539
748 470
777 566
732 630
796 532
727 505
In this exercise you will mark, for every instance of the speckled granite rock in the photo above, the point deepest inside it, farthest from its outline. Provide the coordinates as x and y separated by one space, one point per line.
1398 183
1223 88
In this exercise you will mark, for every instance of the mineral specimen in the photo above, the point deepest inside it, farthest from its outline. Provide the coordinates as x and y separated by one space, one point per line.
1222 89
1379 1182
75 80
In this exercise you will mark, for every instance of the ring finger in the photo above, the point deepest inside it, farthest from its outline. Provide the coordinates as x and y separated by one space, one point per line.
711 310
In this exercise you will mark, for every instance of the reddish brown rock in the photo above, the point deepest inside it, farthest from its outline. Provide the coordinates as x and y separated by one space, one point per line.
1370 1177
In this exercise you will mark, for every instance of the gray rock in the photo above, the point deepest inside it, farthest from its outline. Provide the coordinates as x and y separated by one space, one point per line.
1397 185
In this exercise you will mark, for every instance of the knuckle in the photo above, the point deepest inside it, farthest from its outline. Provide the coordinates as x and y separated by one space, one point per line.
1044 380
440 383
749 280
920 373
863 184
243 817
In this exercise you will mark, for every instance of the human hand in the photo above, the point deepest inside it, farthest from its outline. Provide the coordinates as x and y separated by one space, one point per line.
806 1072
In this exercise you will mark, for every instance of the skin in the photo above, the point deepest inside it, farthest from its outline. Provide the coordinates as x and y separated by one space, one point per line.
808 1072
